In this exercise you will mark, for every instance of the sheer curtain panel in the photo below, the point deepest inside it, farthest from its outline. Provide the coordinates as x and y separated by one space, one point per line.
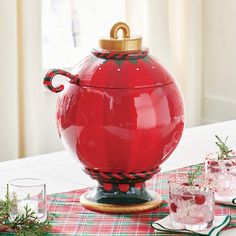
173 31
22 96
9 118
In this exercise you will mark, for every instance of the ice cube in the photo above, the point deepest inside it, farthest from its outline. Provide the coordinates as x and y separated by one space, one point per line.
222 182
203 212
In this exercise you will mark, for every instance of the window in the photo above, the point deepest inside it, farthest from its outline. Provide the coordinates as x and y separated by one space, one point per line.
71 28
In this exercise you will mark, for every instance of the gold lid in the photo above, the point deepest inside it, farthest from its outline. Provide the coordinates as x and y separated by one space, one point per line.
124 43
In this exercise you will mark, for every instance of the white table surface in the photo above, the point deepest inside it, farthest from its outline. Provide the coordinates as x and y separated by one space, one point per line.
63 173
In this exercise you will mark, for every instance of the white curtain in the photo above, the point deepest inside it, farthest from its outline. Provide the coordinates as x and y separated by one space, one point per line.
9 117
24 128
170 28
29 77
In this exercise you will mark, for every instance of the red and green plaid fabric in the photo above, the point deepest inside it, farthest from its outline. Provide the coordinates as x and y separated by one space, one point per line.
73 219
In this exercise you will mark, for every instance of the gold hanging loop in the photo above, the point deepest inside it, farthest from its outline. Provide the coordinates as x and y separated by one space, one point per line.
116 27
124 43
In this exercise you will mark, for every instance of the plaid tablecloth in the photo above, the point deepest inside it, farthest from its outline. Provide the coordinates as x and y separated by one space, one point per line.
73 219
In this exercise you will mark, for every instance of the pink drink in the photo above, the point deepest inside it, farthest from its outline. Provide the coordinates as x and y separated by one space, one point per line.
221 175
191 207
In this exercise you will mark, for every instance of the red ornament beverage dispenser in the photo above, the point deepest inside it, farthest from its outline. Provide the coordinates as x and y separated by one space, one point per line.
121 115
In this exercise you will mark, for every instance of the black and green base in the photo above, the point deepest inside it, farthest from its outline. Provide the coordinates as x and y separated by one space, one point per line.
120 198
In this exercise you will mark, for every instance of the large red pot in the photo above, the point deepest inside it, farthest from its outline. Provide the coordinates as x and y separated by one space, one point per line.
121 115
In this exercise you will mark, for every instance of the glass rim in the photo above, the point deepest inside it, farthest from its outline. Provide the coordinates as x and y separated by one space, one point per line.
41 182
214 156
177 177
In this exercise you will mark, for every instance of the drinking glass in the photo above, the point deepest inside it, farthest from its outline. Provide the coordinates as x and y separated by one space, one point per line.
27 194
221 175
191 207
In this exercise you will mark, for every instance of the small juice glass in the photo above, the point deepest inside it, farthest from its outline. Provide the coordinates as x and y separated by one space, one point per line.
191 207
221 175
27 194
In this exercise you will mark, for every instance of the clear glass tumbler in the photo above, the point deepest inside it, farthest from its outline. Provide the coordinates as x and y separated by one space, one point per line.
191 207
28 194
221 176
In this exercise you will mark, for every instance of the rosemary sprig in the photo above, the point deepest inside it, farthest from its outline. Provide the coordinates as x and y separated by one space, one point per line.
193 174
23 225
28 224
224 150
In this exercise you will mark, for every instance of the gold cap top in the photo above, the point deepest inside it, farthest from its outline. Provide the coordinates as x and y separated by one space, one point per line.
124 43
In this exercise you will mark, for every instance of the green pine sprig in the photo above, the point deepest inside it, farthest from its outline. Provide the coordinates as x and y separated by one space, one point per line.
224 150
23 225
193 174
